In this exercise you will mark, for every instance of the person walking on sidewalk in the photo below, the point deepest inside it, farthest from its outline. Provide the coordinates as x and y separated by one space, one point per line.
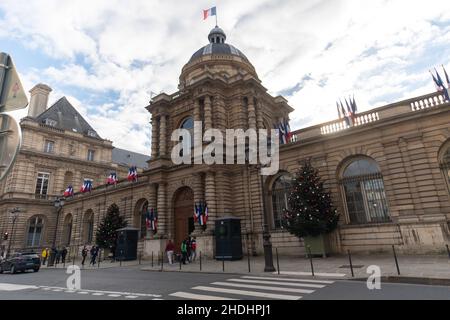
44 256
84 253
170 248
94 252
184 251
58 256
188 249
63 255
193 249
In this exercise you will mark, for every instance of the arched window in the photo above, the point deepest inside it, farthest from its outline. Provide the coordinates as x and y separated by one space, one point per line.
365 196
188 124
35 231
280 195
88 227
445 166
67 230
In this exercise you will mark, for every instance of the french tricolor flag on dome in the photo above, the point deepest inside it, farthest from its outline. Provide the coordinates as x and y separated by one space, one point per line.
209 12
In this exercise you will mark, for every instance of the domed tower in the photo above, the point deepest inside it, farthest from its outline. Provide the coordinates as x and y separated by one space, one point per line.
217 57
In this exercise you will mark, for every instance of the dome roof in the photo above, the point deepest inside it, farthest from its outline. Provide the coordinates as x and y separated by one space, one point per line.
217 45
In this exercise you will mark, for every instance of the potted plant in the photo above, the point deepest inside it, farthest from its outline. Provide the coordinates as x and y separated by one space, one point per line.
310 214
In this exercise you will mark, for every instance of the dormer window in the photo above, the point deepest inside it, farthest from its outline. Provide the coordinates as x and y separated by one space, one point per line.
50 122
92 134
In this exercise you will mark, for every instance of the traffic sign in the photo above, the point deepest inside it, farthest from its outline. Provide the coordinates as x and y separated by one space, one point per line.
12 94
10 142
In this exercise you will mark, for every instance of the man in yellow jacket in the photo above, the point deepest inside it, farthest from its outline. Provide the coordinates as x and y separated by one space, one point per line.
44 255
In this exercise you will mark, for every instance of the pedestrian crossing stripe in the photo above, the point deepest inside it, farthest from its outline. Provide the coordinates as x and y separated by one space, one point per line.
318 274
250 286
193 296
249 293
289 279
306 285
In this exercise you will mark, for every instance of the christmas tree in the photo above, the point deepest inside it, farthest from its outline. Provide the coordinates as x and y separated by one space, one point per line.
106 232
310 211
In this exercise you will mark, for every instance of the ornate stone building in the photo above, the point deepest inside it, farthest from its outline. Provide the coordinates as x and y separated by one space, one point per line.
389 173
59 149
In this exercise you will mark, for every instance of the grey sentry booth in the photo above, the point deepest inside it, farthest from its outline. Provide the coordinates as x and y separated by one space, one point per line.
228 239
126 245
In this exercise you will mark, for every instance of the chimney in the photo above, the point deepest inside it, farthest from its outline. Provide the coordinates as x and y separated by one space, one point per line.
38 100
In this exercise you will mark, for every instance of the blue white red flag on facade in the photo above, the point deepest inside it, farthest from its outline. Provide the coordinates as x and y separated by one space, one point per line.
209 12
87 186
338 110
69 192
151 219
354 106
440 87
132 174
446 77
112 179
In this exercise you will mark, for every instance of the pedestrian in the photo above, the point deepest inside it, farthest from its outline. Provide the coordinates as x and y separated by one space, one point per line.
188 249
94 252
113 253
170 248
184 251
63 255
84 253
44 256
58 255
193 249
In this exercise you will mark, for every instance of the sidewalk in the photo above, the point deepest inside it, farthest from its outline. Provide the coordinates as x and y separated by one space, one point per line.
424 267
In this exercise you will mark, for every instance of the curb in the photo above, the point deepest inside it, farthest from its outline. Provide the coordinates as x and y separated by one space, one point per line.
411 280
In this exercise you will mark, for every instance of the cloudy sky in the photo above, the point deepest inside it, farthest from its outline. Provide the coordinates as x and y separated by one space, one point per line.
107 56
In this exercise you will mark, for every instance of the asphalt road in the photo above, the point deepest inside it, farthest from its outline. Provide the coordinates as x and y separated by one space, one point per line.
131 283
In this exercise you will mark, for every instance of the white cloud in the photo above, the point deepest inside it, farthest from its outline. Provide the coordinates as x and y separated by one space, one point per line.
378 50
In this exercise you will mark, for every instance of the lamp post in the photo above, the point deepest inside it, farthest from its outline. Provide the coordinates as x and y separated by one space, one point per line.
58 203
267 244
14 215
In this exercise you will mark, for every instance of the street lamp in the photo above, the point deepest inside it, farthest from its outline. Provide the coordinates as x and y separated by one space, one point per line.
58 203
267 244
14 215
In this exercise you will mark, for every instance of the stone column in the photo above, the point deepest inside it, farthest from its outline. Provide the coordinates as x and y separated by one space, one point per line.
251 113
259 114
154 137
220 113
197 115
210 198
199 195
208 113
162 135
152 203
162 210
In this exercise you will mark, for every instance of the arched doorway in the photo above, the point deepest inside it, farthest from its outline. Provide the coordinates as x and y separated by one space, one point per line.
140 211
67 230
184 215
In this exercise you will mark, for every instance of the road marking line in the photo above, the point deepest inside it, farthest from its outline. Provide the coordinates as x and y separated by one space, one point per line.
15 287
131 297
249 286
192 296
157 299
83 292
249 293
332 275
108 292
289 279
57 290
114 295
306 285
98 294
69 291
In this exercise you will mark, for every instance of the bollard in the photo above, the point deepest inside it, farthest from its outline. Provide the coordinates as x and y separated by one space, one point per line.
140 258
99 258
223 264
180 263
200 261
311 260
152 259
278 261
396 261
120 263
162 261
248 260
448 250
351 264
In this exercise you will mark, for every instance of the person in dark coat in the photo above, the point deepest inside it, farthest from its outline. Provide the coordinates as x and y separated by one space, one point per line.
63 255
84 253
94 252
58 256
